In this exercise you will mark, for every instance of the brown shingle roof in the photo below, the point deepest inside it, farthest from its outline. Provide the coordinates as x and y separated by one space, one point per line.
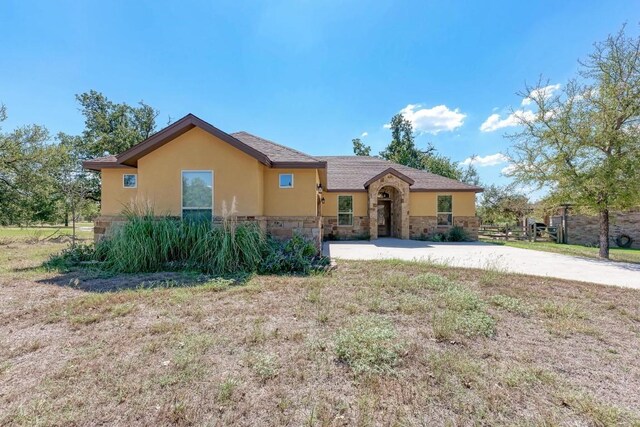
278 154
351 173
105 159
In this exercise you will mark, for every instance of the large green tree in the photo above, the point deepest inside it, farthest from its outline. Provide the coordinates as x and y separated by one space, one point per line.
41 178
503 204
402 148
25 180
110 127
584 143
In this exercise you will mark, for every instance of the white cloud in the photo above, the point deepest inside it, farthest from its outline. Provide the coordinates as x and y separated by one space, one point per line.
494 122
488 160
508 170
432 120
364 134
546 92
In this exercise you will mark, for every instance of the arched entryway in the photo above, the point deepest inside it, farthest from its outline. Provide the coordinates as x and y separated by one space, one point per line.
388 206
388 216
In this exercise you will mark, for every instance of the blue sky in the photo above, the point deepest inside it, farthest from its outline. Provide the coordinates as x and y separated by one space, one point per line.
308 74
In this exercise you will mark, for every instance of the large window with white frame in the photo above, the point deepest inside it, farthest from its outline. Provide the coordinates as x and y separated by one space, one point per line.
345 210
197 195
445 210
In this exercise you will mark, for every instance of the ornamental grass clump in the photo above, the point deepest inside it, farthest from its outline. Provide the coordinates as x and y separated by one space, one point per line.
146 243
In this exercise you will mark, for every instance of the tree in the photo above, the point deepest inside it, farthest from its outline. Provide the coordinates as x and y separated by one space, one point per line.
444 166
75 187
503 205
402 148
24 178
360 148
469 175
584 143
110 128
43 180
113 128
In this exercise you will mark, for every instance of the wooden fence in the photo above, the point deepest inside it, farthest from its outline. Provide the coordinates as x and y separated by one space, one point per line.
532 233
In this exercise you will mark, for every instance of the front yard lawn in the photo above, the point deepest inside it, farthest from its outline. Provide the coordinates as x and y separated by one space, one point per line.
372 343
615 254
84 231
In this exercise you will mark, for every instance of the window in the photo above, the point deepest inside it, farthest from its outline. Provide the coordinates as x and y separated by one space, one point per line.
197 195
445 210
345 210
286 180
129 180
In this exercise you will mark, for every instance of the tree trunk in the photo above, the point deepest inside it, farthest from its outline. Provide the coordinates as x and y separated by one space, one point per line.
66 218
73 223
604 234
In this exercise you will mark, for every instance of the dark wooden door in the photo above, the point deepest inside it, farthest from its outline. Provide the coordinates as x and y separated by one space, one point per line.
384 218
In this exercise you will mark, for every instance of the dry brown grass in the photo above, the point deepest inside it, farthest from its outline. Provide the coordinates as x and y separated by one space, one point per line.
264 353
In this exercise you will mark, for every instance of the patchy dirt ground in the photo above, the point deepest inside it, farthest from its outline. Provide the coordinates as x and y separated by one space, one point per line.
479 347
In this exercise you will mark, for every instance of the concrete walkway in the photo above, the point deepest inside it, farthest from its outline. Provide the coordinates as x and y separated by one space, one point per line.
488 256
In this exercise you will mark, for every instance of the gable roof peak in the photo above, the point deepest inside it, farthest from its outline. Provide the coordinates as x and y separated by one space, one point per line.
390 171
266 152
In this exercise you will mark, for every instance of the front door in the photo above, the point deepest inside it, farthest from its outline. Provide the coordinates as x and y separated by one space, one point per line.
384 218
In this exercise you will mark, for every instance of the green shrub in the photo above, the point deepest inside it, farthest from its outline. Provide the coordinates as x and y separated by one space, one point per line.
438 237
369 345
72 256
457 234
454 234
296 255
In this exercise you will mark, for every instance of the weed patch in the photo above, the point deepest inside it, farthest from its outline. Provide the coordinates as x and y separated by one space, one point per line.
512 305
369 345
264 365
226 389
463 313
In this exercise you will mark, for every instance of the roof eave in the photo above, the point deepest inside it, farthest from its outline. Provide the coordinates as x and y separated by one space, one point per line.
411 190
450 190
98 166
299 165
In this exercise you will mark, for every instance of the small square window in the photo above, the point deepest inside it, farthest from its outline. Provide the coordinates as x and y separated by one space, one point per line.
286 180
129 180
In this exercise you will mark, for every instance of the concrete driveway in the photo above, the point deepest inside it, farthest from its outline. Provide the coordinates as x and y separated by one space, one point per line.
488 256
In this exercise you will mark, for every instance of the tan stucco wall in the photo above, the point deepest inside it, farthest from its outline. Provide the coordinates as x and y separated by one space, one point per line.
425 203
297 201
114 195
254 186
330 206
235 174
